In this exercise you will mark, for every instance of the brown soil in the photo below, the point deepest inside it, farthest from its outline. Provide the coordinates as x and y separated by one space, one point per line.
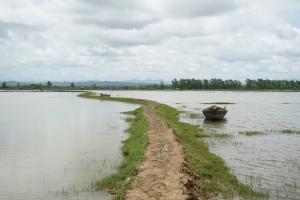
165 173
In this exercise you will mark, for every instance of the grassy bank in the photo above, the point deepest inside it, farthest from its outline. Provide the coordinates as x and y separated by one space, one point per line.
215 176
133 148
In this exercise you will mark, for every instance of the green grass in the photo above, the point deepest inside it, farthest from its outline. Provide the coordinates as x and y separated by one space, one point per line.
214 174
91 95
194 115
219 103
289 131
251 133
221 135
133 149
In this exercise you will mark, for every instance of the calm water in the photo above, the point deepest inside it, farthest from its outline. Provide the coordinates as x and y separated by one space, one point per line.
267 162
54 145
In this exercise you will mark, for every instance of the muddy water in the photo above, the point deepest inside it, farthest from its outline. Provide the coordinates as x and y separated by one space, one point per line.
268 162
54 145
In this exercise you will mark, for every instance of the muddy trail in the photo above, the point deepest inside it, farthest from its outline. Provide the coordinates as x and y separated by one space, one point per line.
165 173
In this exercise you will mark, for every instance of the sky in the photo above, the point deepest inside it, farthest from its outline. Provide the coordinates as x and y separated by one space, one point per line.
79 40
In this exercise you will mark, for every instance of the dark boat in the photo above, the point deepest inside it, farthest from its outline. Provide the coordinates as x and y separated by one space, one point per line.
104 95
214 113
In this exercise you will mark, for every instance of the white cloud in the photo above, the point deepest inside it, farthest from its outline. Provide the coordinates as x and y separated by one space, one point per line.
109 40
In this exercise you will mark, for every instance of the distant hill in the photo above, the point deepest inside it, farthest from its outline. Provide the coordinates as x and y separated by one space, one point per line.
89 83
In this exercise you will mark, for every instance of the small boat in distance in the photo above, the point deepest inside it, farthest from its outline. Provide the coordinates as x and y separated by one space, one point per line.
104 95
214 112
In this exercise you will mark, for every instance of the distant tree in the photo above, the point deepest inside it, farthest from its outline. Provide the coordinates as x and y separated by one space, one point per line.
175 84
94 86
4 85
18 86
162 85
36 86
49 84
72 85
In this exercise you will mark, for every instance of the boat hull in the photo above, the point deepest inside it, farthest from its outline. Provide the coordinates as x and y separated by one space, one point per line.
214 114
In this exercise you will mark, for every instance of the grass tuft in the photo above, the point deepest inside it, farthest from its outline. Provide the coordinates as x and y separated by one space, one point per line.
219 103
194 115
251 133
289 131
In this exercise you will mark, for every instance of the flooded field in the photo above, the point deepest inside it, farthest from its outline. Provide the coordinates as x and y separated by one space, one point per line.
55 145
269 160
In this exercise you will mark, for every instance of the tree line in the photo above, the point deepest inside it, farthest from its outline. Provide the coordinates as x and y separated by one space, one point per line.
250 84
182 84
205 84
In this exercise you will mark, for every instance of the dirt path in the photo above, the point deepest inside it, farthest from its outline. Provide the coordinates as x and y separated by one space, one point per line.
161 174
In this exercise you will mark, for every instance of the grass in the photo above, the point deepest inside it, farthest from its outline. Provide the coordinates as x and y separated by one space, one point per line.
251 133
215 176
289 131
219 103
194 115
91 95
133 149
221 135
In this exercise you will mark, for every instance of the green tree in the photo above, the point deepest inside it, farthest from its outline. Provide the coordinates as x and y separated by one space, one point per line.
4 85
49 84
162 85
72 85
94 86
18 86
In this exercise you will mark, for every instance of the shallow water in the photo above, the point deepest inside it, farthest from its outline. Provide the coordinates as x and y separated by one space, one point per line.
268 162
54 145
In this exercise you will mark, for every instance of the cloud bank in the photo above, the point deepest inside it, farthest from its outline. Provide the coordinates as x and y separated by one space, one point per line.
131 39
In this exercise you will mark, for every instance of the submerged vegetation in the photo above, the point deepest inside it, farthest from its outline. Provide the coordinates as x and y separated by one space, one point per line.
289 131
251 133
215 176
219 103
267 132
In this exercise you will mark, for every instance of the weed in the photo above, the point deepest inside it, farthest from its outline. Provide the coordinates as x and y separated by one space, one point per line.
289 131
219 103
250 133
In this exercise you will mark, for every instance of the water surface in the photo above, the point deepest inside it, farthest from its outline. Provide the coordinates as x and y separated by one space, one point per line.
55 145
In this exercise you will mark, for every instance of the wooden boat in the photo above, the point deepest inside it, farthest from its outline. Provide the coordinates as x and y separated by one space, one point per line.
104 95
214 113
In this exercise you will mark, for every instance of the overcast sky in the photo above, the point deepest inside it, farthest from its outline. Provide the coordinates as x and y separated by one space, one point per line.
151 39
